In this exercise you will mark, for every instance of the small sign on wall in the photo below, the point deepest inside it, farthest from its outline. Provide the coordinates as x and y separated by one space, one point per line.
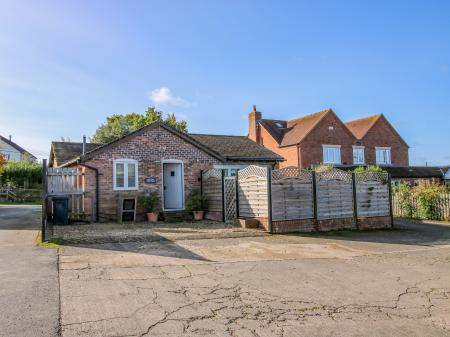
150 180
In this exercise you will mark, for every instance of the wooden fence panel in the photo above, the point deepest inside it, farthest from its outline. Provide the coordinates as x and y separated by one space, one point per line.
212 189
252 192
334 194
441 208
292 194
63 181
372 194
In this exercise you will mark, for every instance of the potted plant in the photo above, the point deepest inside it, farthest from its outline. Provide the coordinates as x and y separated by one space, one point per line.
151 205
197 204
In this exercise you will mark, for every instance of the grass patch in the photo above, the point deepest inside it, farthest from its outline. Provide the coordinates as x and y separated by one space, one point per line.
52 243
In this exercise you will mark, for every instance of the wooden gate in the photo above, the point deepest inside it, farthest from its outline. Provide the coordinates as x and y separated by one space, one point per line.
230 198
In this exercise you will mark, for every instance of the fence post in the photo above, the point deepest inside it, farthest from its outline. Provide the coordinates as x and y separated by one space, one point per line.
201 185
223 195
44 200
314 190
269 199
390 200
236 181
355 203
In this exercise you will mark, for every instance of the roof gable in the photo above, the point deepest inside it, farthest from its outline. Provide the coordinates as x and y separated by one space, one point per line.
361 127
150 126
16 146
294 131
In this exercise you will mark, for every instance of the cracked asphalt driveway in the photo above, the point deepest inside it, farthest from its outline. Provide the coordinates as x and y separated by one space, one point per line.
385 283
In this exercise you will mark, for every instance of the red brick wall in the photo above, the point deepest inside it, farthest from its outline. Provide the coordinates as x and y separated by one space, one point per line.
289 153
311 150
148 148
382 135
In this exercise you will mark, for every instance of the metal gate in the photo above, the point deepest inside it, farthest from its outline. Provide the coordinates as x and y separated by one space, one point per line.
230 198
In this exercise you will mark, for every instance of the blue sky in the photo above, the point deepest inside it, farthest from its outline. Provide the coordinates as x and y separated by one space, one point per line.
66 65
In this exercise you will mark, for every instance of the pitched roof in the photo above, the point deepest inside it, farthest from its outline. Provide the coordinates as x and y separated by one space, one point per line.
16 146
64 152
360 127
236 147
219 146
293 131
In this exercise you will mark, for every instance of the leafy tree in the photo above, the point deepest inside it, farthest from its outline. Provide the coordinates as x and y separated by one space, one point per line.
117 126
2 163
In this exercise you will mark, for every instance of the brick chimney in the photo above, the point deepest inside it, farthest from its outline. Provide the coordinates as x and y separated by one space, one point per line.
253 125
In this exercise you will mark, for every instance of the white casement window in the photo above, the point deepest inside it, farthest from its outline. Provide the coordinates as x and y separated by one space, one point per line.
230 170
383 155
358 155
125 174
331 154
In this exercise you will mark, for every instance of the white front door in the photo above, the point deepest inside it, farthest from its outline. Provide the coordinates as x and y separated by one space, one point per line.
173 185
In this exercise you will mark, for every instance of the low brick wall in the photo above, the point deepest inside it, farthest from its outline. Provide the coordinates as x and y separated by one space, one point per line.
313 225
290 226
336 224
377 222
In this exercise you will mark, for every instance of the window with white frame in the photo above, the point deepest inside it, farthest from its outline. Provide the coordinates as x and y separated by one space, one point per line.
230 170
125 173
331 154
383 155
358 154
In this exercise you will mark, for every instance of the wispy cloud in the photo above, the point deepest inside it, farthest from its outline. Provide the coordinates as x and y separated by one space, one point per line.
163 95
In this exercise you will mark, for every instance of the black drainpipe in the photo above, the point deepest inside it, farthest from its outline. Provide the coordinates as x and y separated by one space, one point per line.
97 191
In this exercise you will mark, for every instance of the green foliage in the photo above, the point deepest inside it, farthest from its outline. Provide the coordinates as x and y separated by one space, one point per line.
370 168
403 193
323 168
427 194
22 174
151 202
117 126
419 201
196 201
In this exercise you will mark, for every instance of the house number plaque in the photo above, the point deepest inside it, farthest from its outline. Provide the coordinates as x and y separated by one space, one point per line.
150 180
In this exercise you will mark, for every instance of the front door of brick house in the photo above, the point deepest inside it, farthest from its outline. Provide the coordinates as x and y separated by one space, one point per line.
173 186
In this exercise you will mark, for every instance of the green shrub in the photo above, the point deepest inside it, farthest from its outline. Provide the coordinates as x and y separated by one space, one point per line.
196 201
370 168
427 195
22 174
151 202
323 167
403 193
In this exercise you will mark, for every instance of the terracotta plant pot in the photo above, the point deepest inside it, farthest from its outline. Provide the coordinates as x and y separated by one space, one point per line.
198 215
152 217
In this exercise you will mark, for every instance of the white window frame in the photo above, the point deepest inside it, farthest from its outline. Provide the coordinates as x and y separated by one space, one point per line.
378 148
125 163
355 147
228 168
328 146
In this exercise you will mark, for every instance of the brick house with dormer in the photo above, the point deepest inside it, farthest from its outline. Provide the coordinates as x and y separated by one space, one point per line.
322 137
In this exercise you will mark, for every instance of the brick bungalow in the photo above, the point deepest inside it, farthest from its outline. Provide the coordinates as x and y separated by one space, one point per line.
322 137
153 158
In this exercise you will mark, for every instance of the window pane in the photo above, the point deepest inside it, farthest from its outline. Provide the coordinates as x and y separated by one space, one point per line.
120 175
331 155
358 156
131 175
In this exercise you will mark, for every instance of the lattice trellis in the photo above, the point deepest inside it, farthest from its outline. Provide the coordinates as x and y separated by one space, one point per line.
230 198
291 172
212 173
252 170
334 174
382 177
